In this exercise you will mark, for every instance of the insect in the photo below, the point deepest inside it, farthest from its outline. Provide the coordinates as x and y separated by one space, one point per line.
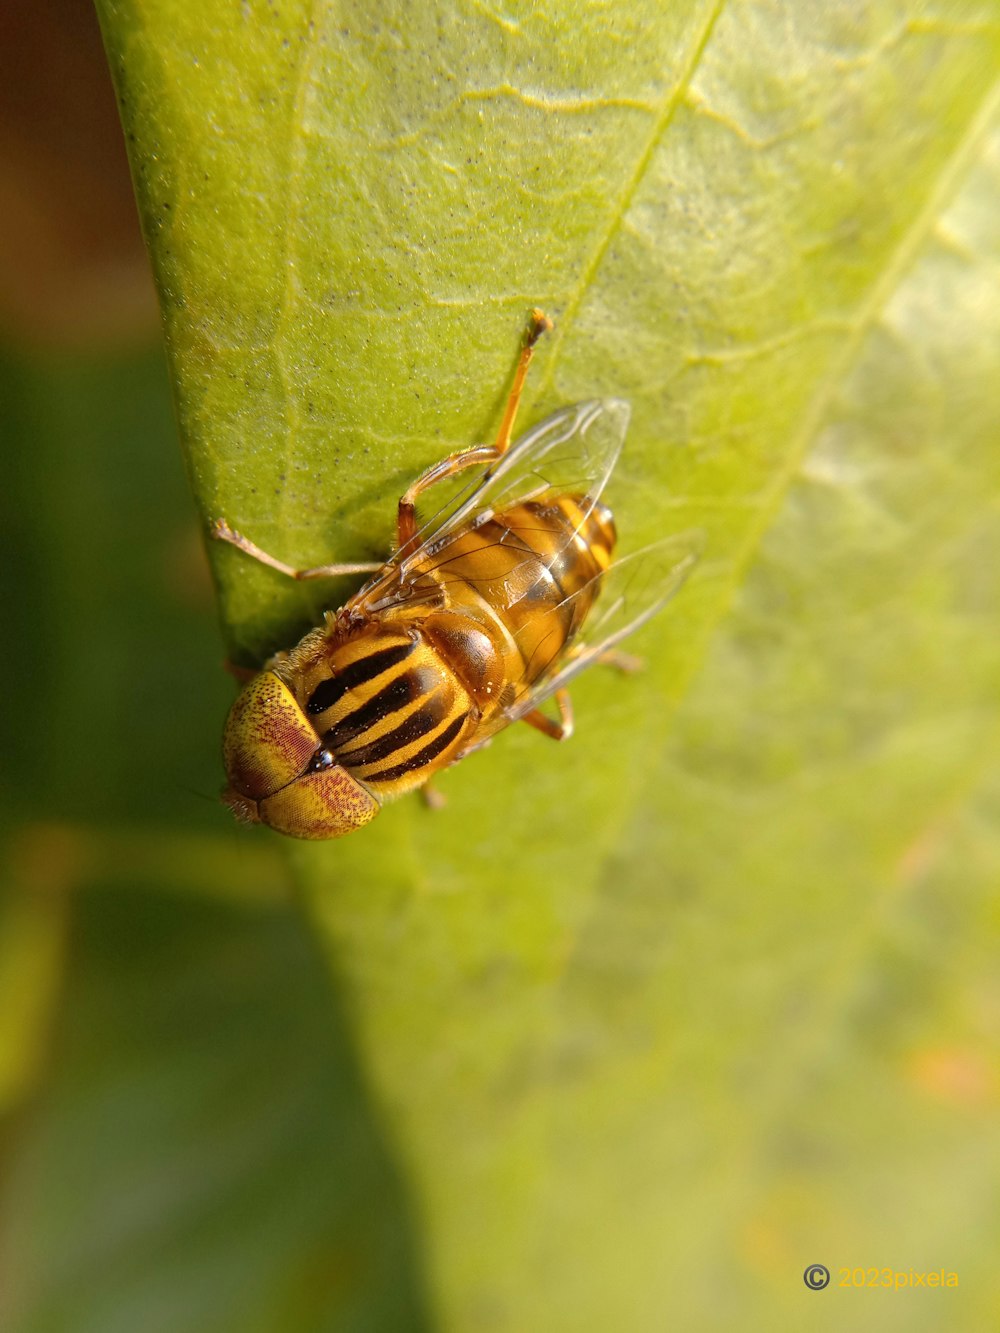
471 624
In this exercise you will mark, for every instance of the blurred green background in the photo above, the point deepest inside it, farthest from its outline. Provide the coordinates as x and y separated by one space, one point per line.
636 1029
185 1140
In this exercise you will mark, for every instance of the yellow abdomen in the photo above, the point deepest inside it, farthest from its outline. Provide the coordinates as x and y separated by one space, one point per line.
395 696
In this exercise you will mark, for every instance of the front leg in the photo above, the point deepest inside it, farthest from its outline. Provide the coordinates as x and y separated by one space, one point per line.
221 531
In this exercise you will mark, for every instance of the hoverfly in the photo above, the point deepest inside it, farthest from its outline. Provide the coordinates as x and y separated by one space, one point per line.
471 624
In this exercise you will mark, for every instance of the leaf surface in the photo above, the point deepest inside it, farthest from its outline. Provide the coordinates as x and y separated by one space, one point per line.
689 995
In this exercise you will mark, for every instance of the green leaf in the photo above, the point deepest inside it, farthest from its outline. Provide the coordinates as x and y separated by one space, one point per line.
661 1017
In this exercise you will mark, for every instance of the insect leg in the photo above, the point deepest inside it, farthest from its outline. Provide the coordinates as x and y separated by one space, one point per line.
627 663
406 523
559 731
240 674
406 518
222 532
540 323
433 798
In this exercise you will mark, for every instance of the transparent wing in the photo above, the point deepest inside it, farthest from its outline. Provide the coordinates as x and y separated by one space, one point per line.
632 591
572 451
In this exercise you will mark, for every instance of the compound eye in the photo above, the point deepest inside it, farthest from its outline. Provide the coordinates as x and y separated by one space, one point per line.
279 774
321 760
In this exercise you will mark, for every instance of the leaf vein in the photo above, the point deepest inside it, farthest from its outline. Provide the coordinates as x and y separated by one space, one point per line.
872 307
668 109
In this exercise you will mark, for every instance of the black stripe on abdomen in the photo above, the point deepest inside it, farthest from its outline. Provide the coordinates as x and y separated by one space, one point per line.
330 691
423 757
401 690
418 724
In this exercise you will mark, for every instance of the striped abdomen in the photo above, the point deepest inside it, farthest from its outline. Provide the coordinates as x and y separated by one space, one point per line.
396 695
528 578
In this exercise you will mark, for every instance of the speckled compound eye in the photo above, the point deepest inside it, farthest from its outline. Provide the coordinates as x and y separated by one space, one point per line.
276 774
